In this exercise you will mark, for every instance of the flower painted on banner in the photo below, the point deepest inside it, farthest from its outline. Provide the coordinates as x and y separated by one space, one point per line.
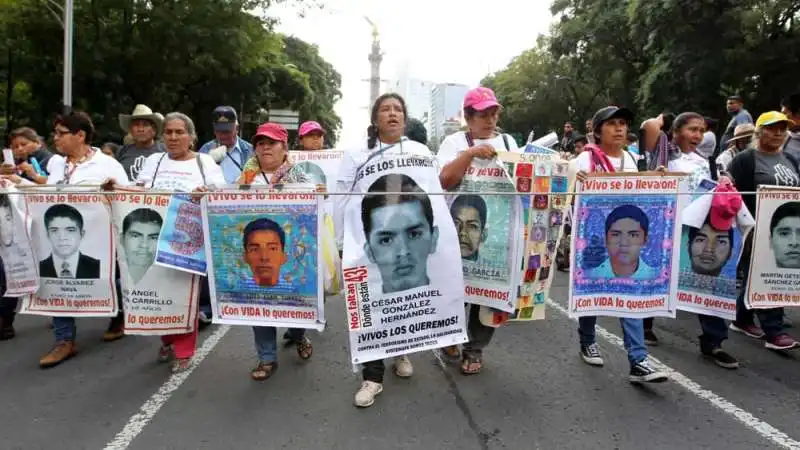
580 244
665 273
579 274
583 212
667 244
669 212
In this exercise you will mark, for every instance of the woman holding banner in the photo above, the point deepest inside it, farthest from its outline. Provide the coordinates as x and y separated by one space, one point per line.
388 120
179 169
270 165
86 165
680 155
481 140
766 164
610 129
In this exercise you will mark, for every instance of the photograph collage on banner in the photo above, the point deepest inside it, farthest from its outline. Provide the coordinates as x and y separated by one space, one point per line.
488 227
180 245
543 180
75 244
404 287
709 257
624 260
774 279
264 263
157 300
18 262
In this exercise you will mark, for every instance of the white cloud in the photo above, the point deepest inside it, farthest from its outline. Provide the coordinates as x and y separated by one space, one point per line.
439 40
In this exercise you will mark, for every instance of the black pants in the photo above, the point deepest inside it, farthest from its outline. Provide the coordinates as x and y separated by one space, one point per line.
373 371
8 308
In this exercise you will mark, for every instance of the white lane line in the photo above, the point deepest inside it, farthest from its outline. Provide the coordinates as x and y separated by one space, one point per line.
138 421
752 422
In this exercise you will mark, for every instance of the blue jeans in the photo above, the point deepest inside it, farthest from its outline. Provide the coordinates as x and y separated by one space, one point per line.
714 332
266 341
64 328
632 336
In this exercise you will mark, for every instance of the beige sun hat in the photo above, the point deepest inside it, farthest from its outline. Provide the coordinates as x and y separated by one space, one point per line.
141 112
743 131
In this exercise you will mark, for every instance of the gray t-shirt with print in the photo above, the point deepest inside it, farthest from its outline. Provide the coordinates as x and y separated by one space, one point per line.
132 157
775 169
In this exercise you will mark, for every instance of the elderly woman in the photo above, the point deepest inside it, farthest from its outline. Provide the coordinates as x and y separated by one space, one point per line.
180 169
270 165
765 164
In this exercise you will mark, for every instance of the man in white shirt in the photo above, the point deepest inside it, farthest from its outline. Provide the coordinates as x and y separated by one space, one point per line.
64 225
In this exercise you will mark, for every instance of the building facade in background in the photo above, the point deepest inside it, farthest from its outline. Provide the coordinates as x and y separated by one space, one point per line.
445 110
416 92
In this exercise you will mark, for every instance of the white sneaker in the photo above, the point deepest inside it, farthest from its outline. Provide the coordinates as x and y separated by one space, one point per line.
403 367
365 396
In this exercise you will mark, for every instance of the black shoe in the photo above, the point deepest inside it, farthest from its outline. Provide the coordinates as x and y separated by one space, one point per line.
643 372
650 338
203 321
591 355
722 358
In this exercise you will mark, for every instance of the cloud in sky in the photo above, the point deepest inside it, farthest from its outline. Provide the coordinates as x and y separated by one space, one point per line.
438 40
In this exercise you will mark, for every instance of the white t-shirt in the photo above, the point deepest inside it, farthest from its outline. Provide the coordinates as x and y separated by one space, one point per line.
584 162
352 160
180 176
694 165
96 170
453 145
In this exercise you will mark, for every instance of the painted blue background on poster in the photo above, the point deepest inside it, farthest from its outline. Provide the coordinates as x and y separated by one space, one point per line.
297 285
591 255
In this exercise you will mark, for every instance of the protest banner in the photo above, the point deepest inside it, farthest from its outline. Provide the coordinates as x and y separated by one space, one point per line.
157 300
17 260
624 262
542 180
709 257
404 288
264 261
774 278
322 166
488 228
74 241
180 244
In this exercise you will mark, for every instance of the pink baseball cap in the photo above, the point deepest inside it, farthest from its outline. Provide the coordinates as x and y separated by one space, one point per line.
480 98
724 207
274 131
308 127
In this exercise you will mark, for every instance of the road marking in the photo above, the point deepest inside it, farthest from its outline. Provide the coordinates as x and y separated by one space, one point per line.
138 421
764 429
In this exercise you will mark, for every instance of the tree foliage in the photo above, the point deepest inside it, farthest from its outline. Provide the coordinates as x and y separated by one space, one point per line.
652 56
173 55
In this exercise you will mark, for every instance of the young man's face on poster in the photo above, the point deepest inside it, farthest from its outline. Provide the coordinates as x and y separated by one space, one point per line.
624 241
399 243
65 235
785 242
6 226
709 250
140 241
265 255
468 224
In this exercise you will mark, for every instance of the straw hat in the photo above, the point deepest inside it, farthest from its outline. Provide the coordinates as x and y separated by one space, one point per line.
743 131
141 112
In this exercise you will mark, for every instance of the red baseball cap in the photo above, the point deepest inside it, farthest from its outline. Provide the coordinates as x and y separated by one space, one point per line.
272 131
724 207
480 98
308 127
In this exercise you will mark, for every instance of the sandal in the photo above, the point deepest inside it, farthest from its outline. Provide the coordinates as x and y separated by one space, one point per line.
451 352
304 348
181 365
263 370
471 364
164 353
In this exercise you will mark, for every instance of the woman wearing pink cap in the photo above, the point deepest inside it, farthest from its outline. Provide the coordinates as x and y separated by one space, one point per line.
312 136
271 165
481 140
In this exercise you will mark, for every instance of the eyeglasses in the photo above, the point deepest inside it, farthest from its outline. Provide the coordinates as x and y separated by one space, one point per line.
59 133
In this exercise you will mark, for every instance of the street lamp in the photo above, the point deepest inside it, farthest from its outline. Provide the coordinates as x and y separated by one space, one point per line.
67 24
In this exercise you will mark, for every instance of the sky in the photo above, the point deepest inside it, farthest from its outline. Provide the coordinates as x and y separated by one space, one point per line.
456 41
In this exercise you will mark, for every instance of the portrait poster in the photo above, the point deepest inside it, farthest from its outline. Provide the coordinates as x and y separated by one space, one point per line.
488 229
321 166
157 300
264 260
774 278
542 180
404 288
709 257
74 241
180 245
624 259
18 263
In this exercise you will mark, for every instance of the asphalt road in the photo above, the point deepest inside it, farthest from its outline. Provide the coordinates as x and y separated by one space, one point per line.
534 393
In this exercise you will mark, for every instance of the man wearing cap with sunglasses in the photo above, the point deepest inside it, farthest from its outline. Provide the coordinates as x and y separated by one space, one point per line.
229 150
